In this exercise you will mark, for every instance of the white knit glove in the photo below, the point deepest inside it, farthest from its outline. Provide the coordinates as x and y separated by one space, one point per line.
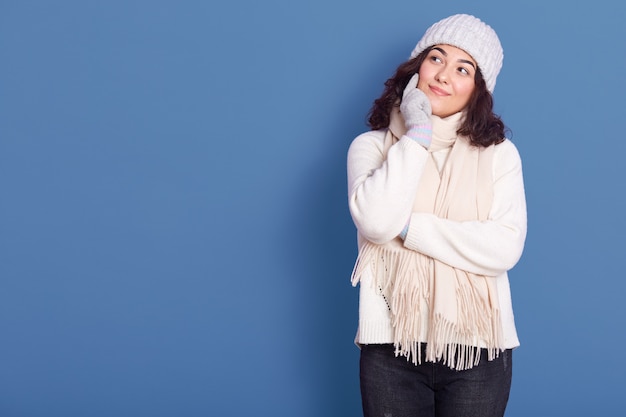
416 110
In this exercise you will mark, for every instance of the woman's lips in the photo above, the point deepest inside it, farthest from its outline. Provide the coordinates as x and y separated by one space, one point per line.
438 91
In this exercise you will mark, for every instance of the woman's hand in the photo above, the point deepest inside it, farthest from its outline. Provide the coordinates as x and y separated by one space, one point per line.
416 110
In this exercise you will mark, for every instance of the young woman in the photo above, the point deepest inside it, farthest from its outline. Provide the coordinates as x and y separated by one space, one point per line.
437 195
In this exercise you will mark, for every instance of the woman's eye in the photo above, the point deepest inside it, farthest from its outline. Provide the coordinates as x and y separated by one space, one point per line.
464 71
435 59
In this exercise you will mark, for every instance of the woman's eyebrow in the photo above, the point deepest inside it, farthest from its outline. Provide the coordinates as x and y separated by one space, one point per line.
465 61
468 62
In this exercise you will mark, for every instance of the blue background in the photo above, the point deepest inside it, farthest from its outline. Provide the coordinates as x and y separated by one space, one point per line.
174 232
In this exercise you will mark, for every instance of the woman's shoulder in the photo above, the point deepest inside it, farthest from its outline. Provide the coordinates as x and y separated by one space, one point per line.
506 149
372 139
371 136
506 158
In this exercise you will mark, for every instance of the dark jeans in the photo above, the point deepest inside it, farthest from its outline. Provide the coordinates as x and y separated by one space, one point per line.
394 387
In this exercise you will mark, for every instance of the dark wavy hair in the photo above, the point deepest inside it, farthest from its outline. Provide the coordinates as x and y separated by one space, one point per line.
479 123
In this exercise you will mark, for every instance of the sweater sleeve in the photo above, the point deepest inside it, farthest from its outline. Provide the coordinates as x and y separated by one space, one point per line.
381 188
489 247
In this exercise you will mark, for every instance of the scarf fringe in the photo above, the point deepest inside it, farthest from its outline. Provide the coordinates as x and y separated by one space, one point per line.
405 278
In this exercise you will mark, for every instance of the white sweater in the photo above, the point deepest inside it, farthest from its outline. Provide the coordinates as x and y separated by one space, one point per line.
381 193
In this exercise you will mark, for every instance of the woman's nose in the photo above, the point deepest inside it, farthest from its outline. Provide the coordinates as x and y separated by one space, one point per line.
442 75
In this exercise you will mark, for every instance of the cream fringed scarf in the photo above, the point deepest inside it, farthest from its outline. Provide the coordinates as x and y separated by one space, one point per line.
463 310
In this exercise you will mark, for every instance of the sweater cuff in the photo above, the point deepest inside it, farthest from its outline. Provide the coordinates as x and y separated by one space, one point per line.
412 238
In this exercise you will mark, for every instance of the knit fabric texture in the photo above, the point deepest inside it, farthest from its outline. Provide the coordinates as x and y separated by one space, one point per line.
473 36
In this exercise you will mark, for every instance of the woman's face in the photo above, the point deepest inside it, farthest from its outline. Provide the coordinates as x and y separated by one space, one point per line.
447 78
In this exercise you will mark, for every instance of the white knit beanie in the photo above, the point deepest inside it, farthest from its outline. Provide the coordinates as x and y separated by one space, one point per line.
473 36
